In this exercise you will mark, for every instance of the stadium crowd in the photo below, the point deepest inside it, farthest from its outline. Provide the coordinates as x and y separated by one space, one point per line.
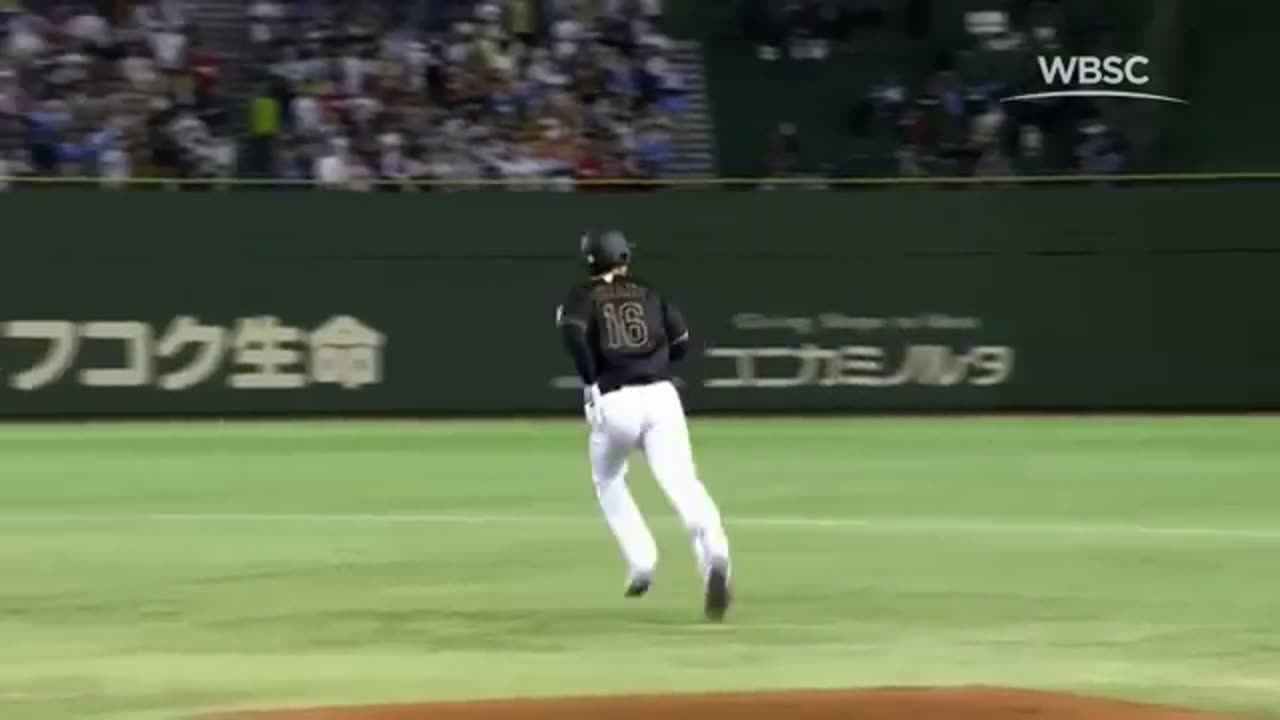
84 92
341 94
473 90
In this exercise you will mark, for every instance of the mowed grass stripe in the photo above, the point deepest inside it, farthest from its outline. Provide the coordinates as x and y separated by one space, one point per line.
877 524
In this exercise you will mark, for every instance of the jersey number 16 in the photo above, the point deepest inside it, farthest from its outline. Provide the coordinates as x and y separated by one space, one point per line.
625 326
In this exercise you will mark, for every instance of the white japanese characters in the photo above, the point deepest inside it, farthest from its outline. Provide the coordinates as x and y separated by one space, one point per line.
267 355
345 352
138 361
210 343
257 353
62 339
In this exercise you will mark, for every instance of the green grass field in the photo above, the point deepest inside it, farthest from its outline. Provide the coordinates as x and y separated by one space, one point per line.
149 571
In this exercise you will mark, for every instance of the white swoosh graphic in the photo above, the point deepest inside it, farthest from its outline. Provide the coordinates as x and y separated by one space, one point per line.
1094 93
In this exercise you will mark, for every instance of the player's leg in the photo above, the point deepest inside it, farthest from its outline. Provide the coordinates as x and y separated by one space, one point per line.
610 445
670 456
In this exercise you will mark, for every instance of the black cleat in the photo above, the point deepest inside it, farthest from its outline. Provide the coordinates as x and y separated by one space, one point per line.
718 595
638 586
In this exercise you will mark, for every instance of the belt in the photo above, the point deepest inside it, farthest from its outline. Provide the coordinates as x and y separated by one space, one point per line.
633 382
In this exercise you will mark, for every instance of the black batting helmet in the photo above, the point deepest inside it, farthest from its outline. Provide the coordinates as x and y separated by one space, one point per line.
606 250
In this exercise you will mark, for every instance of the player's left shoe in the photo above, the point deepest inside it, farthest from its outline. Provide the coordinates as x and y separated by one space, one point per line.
719 596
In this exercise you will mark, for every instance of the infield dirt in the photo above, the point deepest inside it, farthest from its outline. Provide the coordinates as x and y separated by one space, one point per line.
881 704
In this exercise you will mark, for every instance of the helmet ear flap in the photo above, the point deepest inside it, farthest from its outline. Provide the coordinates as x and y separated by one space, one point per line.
586 249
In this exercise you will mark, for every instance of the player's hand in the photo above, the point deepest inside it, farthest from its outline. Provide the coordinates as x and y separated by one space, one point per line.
591 405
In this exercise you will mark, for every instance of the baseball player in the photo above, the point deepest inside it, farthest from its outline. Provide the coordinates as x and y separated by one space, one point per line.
623 337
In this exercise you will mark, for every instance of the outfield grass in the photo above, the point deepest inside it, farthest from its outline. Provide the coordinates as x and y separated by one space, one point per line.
148 571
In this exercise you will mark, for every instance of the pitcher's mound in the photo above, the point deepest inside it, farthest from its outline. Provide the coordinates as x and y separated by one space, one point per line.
888 704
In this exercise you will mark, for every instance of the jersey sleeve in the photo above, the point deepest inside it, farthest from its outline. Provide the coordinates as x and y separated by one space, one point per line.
573 319
673 320
677 330
575 311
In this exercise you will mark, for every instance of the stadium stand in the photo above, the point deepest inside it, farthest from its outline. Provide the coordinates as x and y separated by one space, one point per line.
553 91
911 87
460 91
342 92
96 90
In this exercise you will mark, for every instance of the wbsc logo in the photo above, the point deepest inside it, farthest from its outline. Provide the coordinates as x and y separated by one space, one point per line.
1093 76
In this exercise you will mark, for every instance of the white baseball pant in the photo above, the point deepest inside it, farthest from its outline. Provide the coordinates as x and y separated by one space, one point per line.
651 418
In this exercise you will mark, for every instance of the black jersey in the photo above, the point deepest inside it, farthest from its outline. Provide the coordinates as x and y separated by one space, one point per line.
620 331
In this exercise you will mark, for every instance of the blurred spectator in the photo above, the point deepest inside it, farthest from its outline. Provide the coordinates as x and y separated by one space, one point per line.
394 163
522 21
800 29
197 151
1100 151
266 20
987 142
88 27
290 165
1031 150
654 148
109 147
264 131
338 168
206 68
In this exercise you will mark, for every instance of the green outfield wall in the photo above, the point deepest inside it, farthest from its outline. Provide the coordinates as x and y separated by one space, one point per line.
887 300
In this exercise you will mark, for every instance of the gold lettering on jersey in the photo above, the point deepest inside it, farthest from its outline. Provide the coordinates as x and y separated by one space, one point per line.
618 291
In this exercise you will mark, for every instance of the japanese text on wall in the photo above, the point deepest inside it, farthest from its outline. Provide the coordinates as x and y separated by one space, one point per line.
255 353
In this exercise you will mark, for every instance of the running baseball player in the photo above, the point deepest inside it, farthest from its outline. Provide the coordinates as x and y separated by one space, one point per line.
623 337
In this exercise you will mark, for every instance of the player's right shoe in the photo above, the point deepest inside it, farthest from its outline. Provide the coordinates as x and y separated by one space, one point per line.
718 595
638 585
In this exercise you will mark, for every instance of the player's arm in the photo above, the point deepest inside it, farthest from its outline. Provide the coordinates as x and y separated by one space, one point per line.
574 319
677 330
